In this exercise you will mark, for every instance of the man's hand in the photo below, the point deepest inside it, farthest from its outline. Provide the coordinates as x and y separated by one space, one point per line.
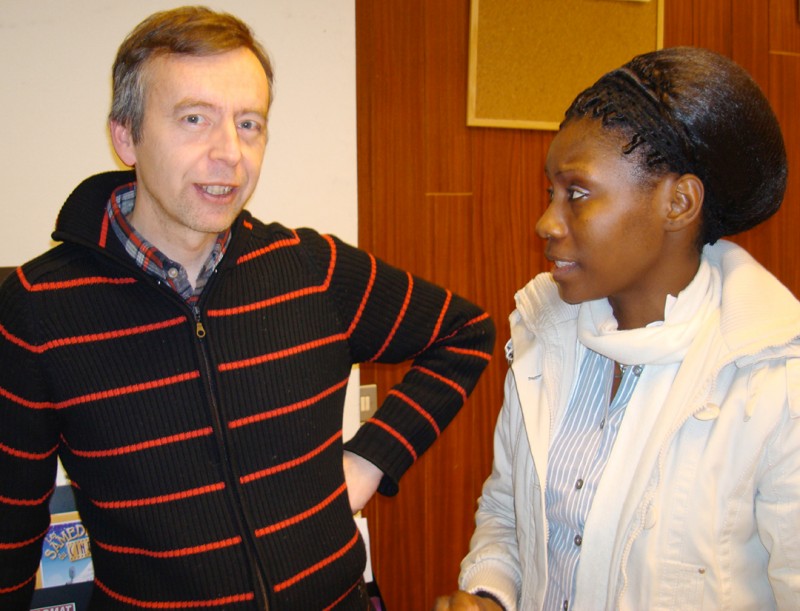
462 601
362 479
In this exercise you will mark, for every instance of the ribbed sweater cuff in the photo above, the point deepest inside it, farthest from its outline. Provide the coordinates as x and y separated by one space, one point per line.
489 577
368 447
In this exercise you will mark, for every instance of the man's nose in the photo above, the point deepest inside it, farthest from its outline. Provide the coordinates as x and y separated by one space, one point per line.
226 145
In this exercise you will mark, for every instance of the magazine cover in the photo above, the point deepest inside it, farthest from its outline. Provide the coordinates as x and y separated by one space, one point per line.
66 555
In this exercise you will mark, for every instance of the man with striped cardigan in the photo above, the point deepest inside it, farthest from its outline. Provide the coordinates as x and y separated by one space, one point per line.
188 363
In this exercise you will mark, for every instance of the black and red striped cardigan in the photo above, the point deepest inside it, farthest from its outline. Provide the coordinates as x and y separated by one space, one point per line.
205 445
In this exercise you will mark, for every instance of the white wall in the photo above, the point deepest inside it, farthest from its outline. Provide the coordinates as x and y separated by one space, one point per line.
56 92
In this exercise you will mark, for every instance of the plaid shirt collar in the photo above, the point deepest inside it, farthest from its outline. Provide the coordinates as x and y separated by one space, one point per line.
152 260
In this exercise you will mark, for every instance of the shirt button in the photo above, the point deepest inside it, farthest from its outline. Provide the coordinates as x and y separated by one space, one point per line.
602 423
566 605
172 273
579 484
578 540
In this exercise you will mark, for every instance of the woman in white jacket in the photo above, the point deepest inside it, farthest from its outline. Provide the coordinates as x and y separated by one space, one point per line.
647 455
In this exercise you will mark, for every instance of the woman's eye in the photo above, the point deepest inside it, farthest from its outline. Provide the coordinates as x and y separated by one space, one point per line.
575 193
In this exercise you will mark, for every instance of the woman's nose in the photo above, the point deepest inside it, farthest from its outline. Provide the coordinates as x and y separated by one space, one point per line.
550 224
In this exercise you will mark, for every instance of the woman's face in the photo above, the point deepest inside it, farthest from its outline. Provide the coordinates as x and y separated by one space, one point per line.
604 226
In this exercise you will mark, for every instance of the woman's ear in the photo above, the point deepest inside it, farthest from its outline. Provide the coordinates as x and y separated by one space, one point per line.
686 203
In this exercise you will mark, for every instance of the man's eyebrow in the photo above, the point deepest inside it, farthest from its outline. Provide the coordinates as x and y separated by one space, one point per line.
192 103
187 103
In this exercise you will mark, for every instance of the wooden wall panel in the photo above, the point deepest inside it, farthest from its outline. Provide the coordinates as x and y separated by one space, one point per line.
750 39
784 25
393 174
712 25
448 144
774 243
679 22
459 205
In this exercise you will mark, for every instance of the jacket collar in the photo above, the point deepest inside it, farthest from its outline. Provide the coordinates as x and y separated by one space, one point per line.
83 217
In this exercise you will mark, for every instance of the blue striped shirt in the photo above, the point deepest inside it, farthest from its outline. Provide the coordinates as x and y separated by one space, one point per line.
578 455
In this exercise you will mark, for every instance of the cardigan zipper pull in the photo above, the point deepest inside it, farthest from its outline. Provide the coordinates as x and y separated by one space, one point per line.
199 329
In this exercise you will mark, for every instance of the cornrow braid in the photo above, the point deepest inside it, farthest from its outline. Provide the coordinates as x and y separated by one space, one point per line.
622 101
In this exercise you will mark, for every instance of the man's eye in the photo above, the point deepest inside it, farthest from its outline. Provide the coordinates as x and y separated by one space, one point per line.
251 125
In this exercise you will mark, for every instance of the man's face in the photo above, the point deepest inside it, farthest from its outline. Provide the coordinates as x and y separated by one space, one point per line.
203 139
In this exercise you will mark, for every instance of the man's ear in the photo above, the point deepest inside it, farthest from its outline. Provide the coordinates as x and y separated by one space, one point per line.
686 202
122 140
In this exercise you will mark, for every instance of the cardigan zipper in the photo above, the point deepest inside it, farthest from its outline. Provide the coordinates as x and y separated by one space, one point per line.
261 593
261 587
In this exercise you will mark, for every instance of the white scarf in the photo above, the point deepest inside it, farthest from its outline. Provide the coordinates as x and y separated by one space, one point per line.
661 347
658 343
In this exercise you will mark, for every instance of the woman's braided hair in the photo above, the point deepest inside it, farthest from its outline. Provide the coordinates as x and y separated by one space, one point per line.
690 110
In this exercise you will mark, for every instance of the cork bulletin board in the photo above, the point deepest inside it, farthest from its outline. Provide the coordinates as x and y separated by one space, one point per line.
528 59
